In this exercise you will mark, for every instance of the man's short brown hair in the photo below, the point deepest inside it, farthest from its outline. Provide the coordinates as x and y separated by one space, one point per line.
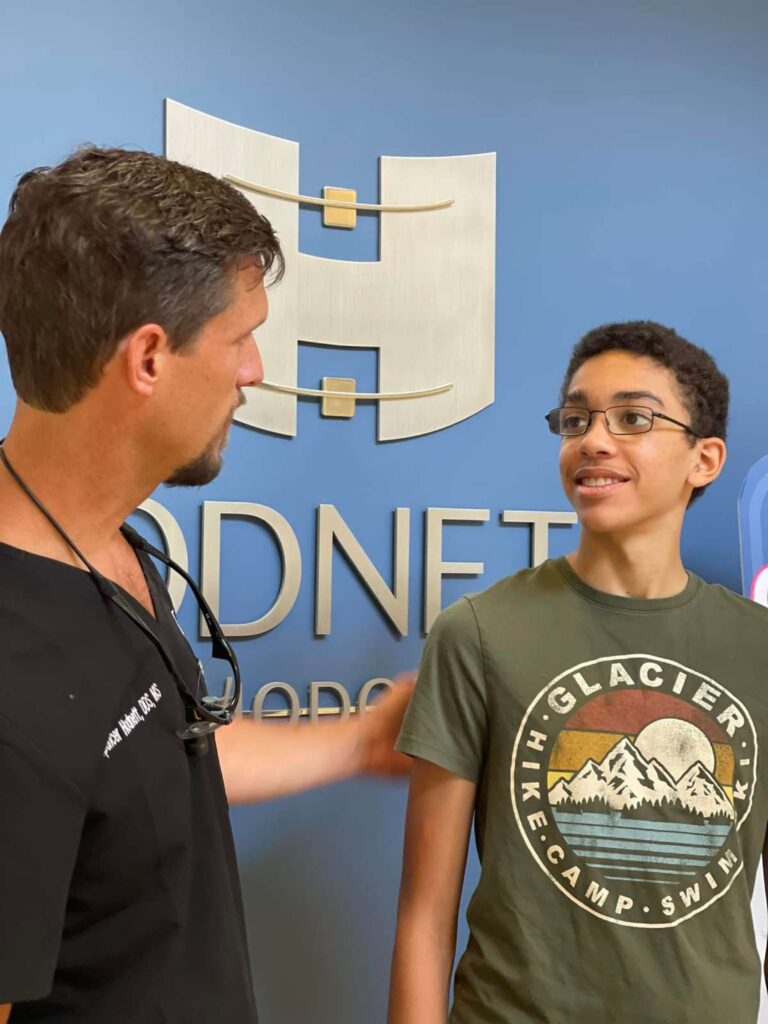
106 241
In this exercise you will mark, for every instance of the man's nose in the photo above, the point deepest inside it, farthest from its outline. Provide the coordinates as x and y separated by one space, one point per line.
252 371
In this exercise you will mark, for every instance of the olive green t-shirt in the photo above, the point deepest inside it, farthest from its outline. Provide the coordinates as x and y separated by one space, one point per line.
621 802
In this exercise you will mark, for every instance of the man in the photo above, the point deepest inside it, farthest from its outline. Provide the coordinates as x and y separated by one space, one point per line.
600 718
130 287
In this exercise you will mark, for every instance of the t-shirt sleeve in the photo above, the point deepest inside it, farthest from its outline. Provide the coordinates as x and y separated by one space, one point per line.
446 721
41 821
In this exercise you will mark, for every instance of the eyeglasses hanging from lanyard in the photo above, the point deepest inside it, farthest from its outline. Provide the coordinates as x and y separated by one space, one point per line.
204 715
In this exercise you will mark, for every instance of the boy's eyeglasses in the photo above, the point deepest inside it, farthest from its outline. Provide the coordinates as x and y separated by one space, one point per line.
571 421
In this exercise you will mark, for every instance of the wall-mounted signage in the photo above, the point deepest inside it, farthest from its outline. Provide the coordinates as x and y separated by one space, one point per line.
426 305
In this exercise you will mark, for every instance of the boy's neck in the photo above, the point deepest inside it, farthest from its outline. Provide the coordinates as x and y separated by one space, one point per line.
643 566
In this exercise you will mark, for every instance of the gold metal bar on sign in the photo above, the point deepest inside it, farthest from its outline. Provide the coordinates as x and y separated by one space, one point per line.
337 203
360 396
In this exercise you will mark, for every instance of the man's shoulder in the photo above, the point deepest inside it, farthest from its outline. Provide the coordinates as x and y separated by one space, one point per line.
65 664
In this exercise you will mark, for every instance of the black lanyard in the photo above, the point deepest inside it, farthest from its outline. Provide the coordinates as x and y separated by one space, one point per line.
205 715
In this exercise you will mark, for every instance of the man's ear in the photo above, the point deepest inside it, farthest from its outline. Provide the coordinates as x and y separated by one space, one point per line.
708 464
144 353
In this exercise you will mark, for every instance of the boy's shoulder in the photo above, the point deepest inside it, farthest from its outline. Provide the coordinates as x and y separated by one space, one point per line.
542 582
523 591
548 583
731 603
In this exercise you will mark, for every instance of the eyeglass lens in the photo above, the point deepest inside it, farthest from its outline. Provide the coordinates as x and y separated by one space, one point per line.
620 419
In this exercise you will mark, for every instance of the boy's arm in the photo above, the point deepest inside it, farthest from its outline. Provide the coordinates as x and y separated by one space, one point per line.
5 1012
440 809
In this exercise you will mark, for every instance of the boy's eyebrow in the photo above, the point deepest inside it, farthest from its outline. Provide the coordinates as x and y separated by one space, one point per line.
618 396
575 396
632 396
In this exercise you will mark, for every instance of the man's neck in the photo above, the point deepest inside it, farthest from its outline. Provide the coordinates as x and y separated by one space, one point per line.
86 478
646 566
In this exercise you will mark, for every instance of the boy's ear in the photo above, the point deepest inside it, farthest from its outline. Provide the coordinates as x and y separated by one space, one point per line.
709 462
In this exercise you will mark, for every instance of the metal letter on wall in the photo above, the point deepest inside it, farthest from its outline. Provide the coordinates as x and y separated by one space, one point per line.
434 566
540 523
332 529
290 554
427 303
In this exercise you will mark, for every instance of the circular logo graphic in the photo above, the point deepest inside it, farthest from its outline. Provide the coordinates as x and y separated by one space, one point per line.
631 777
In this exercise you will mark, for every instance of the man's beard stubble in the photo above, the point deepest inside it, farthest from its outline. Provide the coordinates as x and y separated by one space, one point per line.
199 471
207 465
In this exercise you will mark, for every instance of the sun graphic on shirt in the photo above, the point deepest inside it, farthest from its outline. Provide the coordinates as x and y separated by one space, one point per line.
677 745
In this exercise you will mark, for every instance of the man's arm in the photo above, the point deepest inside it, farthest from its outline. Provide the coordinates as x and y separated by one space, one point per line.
5 1012
440 808
262 761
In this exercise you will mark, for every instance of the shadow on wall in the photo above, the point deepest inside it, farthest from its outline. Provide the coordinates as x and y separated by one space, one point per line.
321 905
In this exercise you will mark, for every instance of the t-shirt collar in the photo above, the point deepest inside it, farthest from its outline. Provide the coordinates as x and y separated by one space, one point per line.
627 604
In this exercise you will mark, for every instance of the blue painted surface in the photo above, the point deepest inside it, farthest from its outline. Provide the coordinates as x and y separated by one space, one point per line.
753 523
631 165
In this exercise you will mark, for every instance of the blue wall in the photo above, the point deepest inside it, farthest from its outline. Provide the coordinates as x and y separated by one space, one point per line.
631 166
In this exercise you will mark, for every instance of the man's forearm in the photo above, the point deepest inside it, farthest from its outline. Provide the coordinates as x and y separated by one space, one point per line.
261 761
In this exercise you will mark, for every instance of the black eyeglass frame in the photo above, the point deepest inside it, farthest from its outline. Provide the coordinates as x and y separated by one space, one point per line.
652 414
210 712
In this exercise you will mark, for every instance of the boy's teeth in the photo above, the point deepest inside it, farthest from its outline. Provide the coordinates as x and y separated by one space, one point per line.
597 481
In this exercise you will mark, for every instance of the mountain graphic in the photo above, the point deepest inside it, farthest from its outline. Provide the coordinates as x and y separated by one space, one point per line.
560 792
698 790
625 780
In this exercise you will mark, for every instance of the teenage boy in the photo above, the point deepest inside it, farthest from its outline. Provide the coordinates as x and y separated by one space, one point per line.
599 718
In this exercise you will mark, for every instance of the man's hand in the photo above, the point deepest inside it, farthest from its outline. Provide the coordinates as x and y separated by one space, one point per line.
380 727
262 761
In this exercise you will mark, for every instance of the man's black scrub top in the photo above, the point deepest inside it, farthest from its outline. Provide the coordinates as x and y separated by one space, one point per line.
119 893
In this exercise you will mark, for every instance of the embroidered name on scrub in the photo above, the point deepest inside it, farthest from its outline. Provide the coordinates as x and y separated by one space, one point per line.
143 707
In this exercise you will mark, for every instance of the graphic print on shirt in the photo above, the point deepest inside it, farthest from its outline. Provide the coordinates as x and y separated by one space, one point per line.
631 777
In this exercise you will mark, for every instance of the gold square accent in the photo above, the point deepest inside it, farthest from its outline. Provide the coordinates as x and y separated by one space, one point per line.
333 217
343 408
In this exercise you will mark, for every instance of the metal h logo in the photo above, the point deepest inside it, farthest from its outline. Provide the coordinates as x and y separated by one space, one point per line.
427 304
